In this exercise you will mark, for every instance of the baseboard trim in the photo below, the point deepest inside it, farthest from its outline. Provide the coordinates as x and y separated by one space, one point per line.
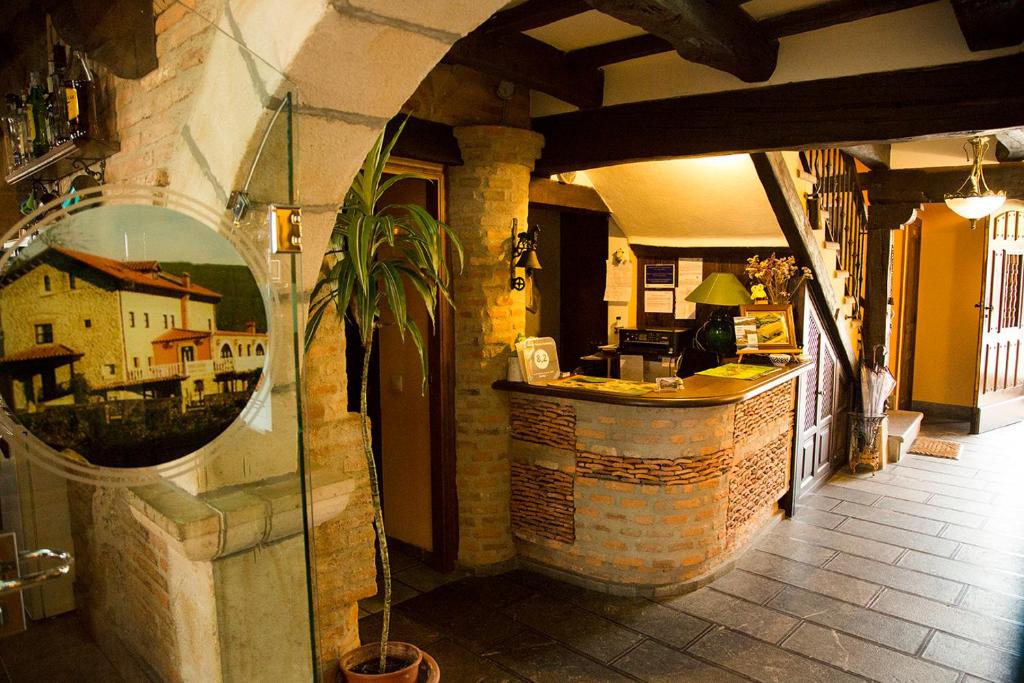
943 411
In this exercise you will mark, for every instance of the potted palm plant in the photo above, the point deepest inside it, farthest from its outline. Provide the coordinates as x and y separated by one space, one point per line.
375 252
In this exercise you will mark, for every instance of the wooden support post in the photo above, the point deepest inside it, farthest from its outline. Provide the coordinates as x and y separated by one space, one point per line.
882 220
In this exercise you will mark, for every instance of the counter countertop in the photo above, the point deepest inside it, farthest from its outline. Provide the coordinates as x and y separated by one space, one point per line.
697 390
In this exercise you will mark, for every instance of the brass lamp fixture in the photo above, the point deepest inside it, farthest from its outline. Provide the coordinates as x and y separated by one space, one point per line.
524 255
974 199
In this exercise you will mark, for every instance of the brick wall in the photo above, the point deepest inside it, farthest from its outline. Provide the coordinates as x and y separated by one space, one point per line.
121 581
658 471
485 193
343 547
180 112
763 433
543 502
544 422
659 495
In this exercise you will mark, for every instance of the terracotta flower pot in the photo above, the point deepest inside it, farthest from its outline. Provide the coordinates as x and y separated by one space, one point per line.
371 652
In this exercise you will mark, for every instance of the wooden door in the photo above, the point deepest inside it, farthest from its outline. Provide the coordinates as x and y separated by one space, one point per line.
821 412
583 316
1000 378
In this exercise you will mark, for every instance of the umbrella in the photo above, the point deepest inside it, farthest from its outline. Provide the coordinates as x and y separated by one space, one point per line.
876 383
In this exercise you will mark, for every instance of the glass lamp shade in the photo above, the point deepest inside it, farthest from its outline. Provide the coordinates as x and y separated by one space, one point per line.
720 289
977 206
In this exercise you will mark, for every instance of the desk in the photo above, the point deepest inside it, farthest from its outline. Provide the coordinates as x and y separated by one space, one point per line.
652 493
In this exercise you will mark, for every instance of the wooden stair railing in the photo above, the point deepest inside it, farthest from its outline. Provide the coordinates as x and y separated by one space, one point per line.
838 197
811 249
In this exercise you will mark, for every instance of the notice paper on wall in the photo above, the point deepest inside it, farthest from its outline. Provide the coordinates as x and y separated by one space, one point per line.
658 300
618 283
691 274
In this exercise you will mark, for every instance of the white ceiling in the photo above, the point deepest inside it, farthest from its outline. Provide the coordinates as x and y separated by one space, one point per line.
689 202
719 201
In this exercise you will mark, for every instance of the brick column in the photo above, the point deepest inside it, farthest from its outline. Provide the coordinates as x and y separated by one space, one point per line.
485 193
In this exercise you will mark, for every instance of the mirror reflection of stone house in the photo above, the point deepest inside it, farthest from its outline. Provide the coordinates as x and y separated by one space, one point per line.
79 327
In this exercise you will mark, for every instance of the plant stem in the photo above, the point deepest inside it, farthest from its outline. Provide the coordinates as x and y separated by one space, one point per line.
378 513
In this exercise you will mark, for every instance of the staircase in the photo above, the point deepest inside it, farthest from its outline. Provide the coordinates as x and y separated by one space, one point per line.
837 214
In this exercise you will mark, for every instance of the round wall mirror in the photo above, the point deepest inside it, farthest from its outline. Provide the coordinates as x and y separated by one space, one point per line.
131 334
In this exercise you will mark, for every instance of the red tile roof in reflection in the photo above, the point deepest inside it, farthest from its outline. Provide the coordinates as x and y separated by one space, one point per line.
178 334
139 273
44 352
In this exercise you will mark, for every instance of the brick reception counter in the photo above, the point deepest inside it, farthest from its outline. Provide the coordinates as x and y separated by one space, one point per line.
652 494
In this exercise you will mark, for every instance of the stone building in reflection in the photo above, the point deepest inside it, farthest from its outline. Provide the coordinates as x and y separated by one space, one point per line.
81 328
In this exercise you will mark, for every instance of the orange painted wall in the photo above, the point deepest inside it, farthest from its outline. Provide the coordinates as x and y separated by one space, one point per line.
946 353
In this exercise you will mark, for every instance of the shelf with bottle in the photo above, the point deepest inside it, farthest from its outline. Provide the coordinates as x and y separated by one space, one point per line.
48 127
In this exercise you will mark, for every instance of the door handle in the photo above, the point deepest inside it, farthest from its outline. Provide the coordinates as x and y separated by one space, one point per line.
63 567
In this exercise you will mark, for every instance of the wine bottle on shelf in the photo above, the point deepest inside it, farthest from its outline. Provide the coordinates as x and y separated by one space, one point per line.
16 130
56 101
37 104
76 92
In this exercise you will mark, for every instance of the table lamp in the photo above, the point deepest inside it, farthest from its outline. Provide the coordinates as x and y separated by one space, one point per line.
719 289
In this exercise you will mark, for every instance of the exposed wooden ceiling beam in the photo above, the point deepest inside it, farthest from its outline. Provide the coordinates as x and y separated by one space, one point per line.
546 192
619 50
1010 145
929 185
720 36
832 13
898 105
533 14
790 23
873 156
529 62
990 24
424 141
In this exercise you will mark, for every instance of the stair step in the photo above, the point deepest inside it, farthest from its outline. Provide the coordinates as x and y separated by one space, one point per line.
841 275
904 426
806 176
834 246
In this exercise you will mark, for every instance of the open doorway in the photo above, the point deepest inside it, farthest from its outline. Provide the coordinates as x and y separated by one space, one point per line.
413 429
566 301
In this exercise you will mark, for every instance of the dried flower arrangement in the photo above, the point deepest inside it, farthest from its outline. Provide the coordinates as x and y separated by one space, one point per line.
775 274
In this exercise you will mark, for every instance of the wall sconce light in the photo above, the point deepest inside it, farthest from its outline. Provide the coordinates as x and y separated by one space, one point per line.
974 200
524 255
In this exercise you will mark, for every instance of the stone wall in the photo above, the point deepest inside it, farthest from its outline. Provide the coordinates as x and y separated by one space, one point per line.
485 193
763 434
193 125
658 497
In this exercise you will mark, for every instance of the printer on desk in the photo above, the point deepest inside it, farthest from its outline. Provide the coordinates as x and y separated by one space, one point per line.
645 354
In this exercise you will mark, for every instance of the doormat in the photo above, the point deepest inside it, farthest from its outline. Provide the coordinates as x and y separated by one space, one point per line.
937 448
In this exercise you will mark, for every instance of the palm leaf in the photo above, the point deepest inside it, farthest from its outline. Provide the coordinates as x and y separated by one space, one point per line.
377 255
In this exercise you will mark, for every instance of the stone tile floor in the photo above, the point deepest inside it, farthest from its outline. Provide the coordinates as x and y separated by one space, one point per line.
55 650
911 574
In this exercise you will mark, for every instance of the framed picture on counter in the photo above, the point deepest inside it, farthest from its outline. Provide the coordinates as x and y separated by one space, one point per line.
773 325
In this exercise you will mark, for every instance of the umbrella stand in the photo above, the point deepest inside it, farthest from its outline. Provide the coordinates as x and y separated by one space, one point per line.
869 429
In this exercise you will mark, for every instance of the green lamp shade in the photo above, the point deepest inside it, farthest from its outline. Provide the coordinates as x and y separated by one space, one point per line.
720 289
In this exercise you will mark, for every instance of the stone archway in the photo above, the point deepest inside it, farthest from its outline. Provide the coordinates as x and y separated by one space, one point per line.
351 63
194 125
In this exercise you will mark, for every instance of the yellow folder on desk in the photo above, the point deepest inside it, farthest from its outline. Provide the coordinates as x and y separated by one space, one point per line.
738 371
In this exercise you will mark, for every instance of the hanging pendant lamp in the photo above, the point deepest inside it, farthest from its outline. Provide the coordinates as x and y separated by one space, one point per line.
974 199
